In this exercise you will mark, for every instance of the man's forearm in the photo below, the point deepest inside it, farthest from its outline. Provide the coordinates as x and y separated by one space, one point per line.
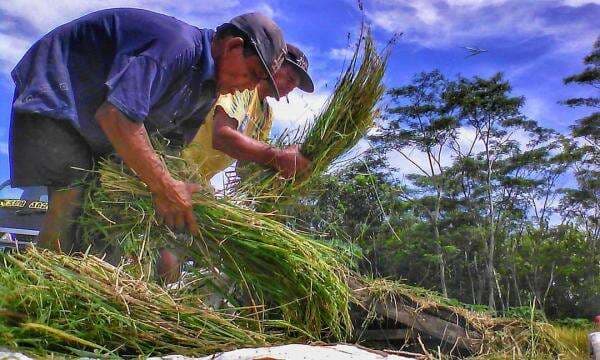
132 144
239 146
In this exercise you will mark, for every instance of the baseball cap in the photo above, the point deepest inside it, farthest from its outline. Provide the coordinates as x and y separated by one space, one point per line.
298 60
266 38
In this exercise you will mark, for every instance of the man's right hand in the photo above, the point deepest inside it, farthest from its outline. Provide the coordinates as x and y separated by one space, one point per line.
174 206
290 162
172 198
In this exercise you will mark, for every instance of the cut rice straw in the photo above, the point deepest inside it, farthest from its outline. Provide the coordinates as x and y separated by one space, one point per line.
57 303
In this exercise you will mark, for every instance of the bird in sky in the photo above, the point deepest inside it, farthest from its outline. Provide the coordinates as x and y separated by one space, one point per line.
473 50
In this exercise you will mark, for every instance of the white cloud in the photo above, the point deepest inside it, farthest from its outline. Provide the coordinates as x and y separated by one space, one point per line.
341 54
12 49
577 3
474 3
447 23
301 109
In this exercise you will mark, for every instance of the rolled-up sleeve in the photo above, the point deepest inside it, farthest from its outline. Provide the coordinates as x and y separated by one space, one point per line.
135 84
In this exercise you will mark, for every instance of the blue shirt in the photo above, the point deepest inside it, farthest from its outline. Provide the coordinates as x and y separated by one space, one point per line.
152 67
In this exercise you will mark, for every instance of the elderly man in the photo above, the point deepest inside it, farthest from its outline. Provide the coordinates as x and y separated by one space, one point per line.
99 84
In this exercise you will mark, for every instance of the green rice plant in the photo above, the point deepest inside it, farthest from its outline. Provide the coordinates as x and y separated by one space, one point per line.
83 306
302 279
346 118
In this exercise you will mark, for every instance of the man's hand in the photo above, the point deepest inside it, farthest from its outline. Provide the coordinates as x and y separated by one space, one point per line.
226 138
172 198
290 162
174 206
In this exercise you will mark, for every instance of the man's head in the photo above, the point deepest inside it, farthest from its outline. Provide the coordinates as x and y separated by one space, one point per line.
292 74
247 49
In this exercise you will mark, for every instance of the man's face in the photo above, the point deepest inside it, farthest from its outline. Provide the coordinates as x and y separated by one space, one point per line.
236 71
286 78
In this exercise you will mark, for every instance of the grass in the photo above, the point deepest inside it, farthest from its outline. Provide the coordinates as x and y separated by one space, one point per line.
574 339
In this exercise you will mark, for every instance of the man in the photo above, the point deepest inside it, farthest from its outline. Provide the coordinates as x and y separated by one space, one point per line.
99 84
244 120
247 113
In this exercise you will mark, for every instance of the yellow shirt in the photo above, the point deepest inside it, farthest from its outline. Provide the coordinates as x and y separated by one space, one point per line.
254 119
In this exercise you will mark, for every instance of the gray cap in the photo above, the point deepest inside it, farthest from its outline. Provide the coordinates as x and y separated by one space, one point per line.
299 62
267 39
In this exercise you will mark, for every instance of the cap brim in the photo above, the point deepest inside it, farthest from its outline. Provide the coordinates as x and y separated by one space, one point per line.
306 83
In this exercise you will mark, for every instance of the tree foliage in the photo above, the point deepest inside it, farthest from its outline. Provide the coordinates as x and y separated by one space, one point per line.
462 193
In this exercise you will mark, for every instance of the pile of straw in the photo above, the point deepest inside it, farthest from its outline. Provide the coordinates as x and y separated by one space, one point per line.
83 306
273 266
502 337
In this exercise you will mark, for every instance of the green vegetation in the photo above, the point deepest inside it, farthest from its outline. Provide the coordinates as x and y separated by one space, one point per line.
463 194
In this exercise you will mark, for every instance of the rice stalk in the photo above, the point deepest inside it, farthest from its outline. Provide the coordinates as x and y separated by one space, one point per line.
58 303
272 266
346 118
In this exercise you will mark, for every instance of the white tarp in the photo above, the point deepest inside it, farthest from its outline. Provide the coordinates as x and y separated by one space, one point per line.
595 345
298 352
284 352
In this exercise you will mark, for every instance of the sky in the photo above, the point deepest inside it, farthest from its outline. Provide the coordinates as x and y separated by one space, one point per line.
534 43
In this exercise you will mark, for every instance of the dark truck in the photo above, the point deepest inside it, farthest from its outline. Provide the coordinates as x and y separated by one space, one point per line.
22 211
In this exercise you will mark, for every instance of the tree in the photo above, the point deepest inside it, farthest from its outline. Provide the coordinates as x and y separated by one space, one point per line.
583 203
485 105
417 121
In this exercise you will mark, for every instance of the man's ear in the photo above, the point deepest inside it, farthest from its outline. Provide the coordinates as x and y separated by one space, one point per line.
233 44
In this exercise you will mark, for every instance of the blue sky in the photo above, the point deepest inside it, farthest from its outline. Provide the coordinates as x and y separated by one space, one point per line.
535 43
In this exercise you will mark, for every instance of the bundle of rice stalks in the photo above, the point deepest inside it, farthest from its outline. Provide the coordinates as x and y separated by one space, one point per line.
272 266
496 337
83 306
346 118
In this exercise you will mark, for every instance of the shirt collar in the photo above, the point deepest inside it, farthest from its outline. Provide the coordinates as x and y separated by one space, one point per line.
206 63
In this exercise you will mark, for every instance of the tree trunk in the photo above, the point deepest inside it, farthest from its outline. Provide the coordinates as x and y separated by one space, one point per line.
480 282
514 279
440 254
470 278
491 283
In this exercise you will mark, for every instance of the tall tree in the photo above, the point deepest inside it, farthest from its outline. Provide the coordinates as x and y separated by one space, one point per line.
486 106
418 123
583 203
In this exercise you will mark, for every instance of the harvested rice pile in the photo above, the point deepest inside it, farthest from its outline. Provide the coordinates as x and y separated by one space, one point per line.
497 337
274 267
271 264
82 306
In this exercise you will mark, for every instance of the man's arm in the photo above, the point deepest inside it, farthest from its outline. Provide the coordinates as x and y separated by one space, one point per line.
228 139
172 198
